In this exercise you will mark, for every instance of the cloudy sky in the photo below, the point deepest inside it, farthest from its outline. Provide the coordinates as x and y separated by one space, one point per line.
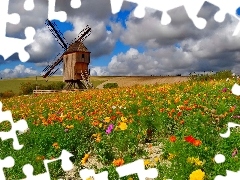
122 44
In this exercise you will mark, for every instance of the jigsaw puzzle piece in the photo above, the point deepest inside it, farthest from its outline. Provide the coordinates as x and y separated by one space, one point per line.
86 173
139 12
138 168
227 7
52 14
20 125
8 162
66 164
230 175
192 8
5 17
236 89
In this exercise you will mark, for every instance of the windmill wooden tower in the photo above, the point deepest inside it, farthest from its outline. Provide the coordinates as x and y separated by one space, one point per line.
75 59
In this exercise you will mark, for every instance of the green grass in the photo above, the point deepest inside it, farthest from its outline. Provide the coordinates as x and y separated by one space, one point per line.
15 84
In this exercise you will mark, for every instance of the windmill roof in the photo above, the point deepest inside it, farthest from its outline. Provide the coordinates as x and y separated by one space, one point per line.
76 47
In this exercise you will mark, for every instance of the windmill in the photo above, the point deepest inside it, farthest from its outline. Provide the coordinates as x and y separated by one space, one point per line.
75 59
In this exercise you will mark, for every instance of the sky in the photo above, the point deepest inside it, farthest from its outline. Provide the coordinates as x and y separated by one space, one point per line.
123 45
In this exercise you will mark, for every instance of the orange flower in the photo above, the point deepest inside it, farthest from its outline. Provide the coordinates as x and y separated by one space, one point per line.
197 143
179 113
55 145
172 138
232 109
95 123
182 122
118 162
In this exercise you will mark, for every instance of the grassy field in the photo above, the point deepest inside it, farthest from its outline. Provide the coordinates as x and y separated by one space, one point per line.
174 127
15 84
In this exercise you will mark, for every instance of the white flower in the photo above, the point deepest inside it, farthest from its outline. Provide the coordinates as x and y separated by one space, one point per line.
233 74
227 79
114 107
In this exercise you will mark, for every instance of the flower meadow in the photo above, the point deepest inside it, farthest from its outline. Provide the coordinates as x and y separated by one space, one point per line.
173 127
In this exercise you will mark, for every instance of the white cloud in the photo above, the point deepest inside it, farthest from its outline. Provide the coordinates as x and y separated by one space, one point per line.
18 71
99 71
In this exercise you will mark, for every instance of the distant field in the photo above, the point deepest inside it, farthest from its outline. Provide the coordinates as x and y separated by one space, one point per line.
98 81
15 84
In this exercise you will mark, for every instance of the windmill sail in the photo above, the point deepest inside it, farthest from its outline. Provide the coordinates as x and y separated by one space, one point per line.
57 34
81 37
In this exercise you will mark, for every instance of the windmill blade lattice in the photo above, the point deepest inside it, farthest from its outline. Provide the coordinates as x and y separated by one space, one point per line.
57 34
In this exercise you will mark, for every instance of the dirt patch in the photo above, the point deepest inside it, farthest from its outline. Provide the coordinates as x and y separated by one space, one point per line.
131 81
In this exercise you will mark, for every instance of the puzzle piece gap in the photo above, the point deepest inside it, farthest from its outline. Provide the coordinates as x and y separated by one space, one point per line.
75 4
29 5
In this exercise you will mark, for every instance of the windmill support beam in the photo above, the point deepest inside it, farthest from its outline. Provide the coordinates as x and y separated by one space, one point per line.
76 84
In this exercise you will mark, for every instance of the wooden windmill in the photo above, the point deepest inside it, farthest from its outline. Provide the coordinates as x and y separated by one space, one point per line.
75 59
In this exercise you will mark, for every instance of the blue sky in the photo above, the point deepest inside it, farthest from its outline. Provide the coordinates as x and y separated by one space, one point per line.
134 46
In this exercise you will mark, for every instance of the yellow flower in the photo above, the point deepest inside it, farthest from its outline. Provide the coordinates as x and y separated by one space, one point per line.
84 160
130 178
123 126
107 119
195 161
146 162
100 125
171 156
123 119
156 159
197 175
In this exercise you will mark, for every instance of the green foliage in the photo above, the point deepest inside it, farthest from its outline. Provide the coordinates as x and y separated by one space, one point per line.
110 85
7 94
27 88
205 77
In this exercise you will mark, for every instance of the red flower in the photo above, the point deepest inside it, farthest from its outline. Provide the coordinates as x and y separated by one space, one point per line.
189 139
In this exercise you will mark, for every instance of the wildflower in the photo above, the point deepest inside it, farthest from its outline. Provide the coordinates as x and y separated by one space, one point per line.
95 123
84 160
107 119
227 79
156 159
232 108
118 162
123 126
235 152
224 89
172 138
100 125
109 129
146 162
123 119
197 175
195 161
189 139
197 142
113 107
171 156
55 145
